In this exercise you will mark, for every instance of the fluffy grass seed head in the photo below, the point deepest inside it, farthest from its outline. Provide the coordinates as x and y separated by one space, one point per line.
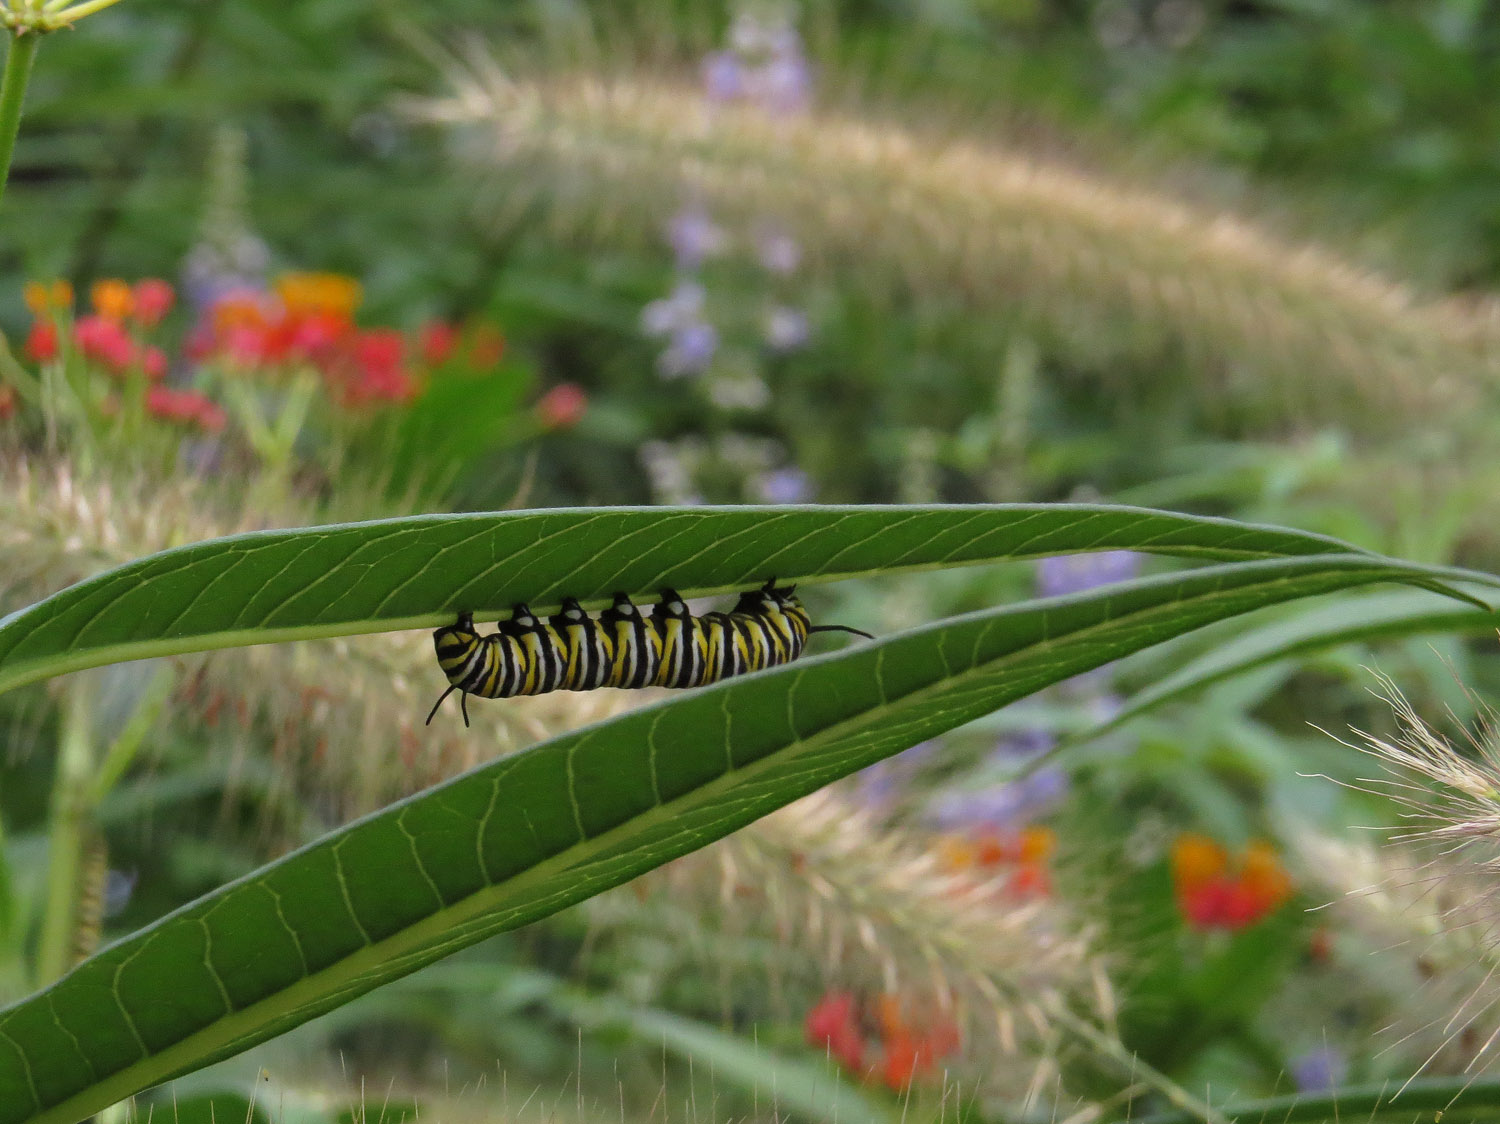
1291 326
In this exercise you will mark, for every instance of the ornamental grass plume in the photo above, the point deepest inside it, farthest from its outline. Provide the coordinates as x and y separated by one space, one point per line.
1432 892
819 895
1286 326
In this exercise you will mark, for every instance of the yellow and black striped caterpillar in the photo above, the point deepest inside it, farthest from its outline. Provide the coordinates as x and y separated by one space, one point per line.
572 651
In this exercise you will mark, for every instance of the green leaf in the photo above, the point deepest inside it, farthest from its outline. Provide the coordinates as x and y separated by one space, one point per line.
1449 1099
1376 617
417 572
532 833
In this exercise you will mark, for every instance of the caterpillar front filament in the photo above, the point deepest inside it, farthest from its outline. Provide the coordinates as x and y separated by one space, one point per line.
572 651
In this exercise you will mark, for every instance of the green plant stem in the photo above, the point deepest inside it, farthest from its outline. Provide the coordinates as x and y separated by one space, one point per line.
1189 1108
18 62
72 803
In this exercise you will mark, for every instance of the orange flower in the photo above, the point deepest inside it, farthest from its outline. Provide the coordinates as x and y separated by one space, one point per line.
955 853
1263 876
1196 859
910 1052
1037 844
43 297
318 292
112 299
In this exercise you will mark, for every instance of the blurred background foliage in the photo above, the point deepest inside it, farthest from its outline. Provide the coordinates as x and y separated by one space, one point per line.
1227 256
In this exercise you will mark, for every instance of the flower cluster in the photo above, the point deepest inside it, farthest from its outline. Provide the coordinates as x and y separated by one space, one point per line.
112 339
307 319
1214 893
763 66
302 322
1022 856
908 1051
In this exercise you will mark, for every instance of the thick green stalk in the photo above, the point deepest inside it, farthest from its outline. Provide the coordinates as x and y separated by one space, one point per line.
18 62
72 807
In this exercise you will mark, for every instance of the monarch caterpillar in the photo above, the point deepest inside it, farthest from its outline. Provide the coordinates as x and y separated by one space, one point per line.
572 651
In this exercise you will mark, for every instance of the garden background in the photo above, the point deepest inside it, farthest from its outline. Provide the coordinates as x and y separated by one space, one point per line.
270 265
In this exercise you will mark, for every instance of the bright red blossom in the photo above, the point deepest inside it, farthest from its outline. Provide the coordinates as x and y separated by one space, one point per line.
186 407
436 343
103 341
41 342
562 406
152 300
907 1052
832 1025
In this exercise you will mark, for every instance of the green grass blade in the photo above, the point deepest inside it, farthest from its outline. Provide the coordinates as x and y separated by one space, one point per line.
417 572
532 833
1376 617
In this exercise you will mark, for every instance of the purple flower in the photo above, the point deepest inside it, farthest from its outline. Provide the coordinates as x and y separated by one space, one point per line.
784 485
212 271
694 236
723 76
783 84
786 328
777 250
1023 745
679 309
1320 1070
690 351
1063 574
1002 806
883 782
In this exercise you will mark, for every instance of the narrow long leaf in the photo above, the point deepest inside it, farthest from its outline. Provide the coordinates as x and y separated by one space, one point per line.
417 572
1446 1098
1377 617
530 834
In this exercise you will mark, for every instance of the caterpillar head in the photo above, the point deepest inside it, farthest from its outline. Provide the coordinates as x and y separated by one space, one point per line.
460 634
769 598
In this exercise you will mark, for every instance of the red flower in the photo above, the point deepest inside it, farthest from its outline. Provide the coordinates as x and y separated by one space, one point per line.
154 363
103 341
437 341
562 406
152 300
1212 894
7 403
187 407
833 1026
41 342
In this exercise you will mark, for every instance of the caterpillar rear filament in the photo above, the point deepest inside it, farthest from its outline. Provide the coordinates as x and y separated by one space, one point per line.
572 651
